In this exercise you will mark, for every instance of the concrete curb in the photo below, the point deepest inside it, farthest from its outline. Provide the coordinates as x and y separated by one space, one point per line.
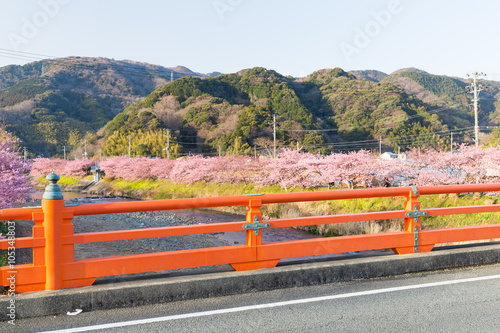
161 290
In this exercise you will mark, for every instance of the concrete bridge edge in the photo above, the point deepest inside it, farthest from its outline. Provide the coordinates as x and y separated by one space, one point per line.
170 289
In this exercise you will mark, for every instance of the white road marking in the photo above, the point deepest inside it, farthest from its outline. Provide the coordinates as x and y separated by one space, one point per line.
270 305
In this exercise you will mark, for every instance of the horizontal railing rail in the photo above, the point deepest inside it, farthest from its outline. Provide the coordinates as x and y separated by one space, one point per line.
53 238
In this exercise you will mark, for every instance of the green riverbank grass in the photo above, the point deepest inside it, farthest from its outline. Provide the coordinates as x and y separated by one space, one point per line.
165 189
65 180
70 180
462 220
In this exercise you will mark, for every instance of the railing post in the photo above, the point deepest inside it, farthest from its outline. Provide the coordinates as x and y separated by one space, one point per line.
412 204
252 212
254 239
52 207
412 223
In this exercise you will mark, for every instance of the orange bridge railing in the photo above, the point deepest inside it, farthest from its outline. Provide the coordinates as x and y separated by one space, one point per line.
53 239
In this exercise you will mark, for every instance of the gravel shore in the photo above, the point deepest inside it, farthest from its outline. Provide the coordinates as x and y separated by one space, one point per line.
140 220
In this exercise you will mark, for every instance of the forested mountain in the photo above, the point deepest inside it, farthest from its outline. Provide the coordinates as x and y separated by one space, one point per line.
450 100
232 112
113 104
74 97
326 111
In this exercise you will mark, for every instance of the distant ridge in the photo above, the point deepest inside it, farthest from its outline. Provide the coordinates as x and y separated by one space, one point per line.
102 101
370 75
409 69
75 97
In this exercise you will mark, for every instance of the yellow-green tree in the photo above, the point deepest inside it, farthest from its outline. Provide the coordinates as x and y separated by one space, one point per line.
143 143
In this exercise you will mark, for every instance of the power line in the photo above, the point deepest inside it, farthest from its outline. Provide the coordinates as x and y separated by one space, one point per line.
28 53
425 138
18 57
435 111
121 68
408 139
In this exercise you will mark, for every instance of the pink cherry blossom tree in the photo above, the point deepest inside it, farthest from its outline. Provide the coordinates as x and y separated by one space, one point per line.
289 168
14 179
294 168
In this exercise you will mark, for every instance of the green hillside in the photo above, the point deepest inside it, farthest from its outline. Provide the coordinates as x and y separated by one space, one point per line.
448 96
231 113
11 75
325 111
440 85
73 99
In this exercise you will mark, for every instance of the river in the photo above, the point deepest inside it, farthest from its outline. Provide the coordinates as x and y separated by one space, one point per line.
206 216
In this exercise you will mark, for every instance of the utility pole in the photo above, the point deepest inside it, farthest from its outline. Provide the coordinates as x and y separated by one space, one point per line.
25 150
129 144
451 145
380 144
219 150
172 76
274 134
64 149
168 144
85 148
43 69
475 88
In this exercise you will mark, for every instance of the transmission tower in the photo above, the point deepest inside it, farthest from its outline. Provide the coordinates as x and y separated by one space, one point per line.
475 88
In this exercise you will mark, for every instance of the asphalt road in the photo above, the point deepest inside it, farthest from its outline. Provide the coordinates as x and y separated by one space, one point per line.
460 300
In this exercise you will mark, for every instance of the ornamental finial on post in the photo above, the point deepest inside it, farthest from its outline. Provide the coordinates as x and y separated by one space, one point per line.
53 190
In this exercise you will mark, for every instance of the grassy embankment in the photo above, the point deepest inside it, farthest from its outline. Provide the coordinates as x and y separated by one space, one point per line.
64 180
150 189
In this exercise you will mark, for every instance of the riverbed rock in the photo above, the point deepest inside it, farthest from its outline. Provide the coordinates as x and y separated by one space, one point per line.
100 188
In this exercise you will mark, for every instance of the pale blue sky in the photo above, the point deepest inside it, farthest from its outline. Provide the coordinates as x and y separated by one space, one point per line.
292 37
